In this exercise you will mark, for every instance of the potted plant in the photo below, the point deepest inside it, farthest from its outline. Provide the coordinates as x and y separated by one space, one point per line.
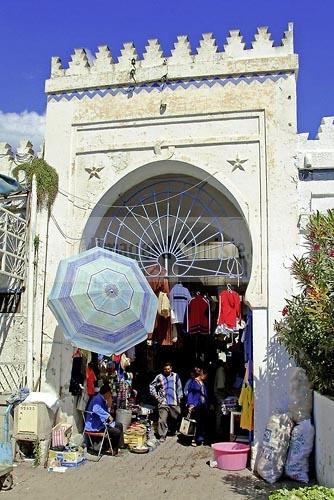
307 330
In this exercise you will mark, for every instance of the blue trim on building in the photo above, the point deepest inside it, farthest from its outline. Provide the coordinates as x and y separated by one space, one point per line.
130 90
325 174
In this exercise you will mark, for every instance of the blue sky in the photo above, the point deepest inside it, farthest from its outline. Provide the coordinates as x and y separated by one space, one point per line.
34 30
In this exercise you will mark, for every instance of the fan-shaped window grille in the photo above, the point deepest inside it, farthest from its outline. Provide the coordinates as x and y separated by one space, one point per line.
179 226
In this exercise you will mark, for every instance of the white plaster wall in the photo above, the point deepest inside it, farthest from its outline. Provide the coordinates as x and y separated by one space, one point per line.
316 156
324 439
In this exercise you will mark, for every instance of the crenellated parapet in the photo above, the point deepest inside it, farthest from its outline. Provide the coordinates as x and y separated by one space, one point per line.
317 153
264 57
9 156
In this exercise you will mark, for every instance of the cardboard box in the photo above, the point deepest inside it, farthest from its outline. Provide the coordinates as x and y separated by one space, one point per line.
66 458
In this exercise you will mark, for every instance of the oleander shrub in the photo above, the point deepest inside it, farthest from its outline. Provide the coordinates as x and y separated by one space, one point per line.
307 325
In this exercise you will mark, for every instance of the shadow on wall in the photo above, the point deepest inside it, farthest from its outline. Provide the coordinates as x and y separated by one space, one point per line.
6 321
279 364
273 382
58 375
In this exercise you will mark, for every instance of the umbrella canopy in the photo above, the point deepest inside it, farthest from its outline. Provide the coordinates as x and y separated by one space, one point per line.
102 301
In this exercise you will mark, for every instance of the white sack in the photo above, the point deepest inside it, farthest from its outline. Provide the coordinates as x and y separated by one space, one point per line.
274 449
301 445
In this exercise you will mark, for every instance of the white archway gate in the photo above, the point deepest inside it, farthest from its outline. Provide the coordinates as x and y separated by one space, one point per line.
228 117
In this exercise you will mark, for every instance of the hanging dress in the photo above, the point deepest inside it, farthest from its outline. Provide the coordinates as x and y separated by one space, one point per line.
229 308
162 333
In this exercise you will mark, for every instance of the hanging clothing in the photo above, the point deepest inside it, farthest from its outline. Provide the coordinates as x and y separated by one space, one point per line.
220 381
198 316
90 381
229 308
77 376
248 345
246 401
162 333
174 333
179 297
163 305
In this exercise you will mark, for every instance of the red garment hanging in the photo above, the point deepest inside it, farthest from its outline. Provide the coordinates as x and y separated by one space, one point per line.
90 381
229 308
198 316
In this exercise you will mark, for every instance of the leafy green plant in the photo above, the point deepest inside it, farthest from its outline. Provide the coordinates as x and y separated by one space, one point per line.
308 493
36 242
46 180
37 453
307 325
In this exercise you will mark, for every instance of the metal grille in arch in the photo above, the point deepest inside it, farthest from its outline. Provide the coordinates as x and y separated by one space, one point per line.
174 227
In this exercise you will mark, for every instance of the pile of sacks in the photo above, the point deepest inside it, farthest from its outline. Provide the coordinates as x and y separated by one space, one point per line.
288 438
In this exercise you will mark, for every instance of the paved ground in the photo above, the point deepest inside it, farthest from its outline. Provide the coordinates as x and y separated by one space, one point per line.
172 471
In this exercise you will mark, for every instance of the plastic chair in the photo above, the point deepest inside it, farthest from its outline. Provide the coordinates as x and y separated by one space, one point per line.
102 435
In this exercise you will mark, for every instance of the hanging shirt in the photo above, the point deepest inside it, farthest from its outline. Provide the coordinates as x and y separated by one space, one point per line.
229 308
163 305
198 315
90 381
179 297
246 401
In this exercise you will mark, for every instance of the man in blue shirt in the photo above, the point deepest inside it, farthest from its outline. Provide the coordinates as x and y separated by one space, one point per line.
98 417
166 388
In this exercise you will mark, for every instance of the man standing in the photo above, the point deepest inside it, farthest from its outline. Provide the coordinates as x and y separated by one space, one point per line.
166 388
98 417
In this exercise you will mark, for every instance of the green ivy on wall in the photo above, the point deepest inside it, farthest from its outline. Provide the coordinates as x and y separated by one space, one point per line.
46 180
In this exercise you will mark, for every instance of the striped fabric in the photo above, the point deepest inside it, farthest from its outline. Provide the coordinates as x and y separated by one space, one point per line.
167 390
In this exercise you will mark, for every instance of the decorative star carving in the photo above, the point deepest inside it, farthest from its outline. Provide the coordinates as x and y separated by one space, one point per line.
237 163
94 172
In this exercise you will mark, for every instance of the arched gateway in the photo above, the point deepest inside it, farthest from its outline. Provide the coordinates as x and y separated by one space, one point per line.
186 163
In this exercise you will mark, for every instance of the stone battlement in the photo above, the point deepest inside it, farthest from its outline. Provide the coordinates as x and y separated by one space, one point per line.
129 69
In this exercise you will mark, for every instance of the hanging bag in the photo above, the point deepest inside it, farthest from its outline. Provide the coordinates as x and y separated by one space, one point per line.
188 426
